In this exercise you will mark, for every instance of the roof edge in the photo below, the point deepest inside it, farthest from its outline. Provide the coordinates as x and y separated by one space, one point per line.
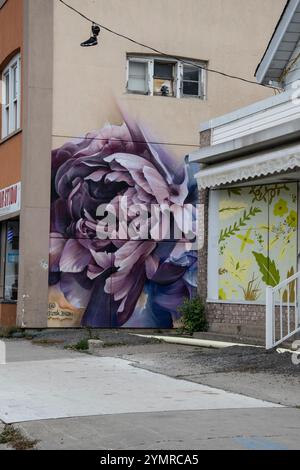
277 37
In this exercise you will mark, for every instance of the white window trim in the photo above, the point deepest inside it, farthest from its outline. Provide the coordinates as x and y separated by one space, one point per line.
10 126
143 61
179 80
213 252
201 88
178 76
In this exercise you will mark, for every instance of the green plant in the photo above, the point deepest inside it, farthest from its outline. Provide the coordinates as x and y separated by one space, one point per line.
7 332
193 315
16 439
82 345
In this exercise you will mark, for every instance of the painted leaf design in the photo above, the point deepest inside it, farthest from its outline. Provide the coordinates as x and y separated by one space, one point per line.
291 287
268 269
236 227
236 191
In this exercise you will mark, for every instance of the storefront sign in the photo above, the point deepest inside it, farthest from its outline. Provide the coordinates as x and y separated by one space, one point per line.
10 199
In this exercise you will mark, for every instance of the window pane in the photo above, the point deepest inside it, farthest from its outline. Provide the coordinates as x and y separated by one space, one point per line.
11 108
6 121
138 77
7 88
191 88
15 123
137 69
12 261
162 70
15 81
190 73
163 87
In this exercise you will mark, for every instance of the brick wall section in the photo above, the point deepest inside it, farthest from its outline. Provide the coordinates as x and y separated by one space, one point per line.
205 138
237 319
235 313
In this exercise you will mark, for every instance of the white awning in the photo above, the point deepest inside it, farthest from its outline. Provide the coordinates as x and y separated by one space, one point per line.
242 169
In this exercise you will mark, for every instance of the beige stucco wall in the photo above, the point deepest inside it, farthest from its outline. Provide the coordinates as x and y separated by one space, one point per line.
88 82
36 163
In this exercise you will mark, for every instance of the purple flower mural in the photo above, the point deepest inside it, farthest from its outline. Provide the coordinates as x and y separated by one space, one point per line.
117 281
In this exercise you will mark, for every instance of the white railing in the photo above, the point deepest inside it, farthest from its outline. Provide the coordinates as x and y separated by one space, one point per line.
282 311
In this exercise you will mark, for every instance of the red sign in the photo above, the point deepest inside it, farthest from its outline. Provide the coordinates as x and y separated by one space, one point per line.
10 199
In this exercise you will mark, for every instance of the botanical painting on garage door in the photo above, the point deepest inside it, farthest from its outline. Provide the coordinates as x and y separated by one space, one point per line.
117 282
257 240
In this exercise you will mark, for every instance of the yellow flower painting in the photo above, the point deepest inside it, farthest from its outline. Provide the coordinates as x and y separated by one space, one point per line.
257 240
245 239
281 208
292 219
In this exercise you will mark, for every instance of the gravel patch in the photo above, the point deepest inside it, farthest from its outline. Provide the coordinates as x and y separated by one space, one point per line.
3 446
249 371
246 359
69 337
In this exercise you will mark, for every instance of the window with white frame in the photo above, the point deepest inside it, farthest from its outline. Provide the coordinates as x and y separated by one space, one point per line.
138 77
160 76
11 97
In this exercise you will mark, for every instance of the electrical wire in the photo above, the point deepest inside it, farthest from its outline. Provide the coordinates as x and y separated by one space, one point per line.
288 68
176 144
171 56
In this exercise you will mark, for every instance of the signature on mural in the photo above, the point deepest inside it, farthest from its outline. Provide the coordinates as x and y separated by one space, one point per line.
117 281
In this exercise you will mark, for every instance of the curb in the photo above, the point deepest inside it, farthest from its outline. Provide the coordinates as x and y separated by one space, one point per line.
204 343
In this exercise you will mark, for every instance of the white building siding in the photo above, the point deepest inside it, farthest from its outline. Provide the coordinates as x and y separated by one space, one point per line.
257 121
294 73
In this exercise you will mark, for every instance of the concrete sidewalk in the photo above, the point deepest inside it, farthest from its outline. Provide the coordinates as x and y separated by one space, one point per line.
108 403
81 385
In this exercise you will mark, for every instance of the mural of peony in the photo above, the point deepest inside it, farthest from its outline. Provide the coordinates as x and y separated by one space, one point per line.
113 282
